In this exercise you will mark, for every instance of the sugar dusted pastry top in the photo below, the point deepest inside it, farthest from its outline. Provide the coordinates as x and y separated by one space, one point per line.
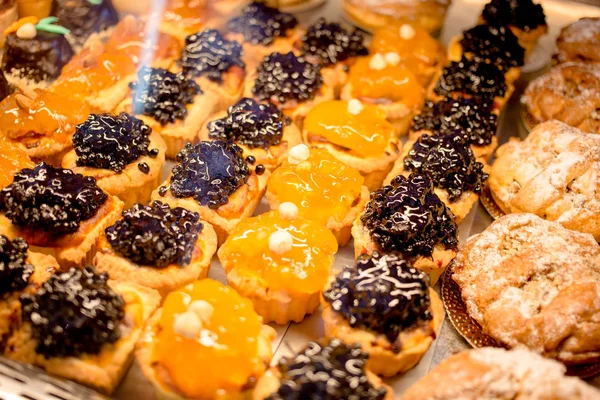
579 41
530 282
498 374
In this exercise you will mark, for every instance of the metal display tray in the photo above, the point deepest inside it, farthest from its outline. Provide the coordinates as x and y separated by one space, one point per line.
461 15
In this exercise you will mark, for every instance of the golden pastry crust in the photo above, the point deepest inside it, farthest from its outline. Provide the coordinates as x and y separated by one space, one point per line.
579 42
482 153
228 8
553 174
532 283
72 250
229 91
569 93
130 185
164 279
383 360
497 374
241 204
103 371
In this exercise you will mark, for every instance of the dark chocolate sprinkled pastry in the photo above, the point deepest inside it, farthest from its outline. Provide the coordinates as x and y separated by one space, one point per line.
332 371
496 45
330 43
261 24
15 271
523 14
449 162
208 54
251 124
408 217
209 172
84 17
286 77
74 313
163 95
156 235
383 293
449 115
111 142
51 199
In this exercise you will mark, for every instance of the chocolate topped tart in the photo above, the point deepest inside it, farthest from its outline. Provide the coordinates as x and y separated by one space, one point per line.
523 14
15 271
261 24
84 17
329 43
496 45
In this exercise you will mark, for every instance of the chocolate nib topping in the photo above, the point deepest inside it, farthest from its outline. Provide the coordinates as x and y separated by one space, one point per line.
331 43
15 271
496 45
523 14
472 78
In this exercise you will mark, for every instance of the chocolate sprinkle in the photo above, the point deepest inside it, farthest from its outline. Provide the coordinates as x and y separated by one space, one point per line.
260 169
496 45
15 271
524 14
143 167
383 293
330 43
261 24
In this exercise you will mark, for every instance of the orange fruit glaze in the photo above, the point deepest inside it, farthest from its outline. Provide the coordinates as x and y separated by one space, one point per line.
328 188
366 133
392 83
303 269
224 356
12 160
189 13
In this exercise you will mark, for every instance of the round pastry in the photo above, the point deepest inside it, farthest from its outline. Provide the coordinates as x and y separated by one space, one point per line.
465 115
450 163
579 42
42 122
407 217
569 92
524 18
157 246
216 181
290 82
181 18
8 15
383 80
498 374
332 370
281 262
356 134
57 212
263 132
171 104
78 326
121 153
12 159
320 188
205 342
553 173
386 306
417 49
532 283
227 8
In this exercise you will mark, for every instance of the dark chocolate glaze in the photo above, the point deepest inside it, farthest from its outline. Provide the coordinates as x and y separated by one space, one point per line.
261 24
330 43
5 89
523 14
83 18
15 271
496 45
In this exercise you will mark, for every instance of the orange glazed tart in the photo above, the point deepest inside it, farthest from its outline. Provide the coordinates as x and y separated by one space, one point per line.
356 134
205 342
57 212
417 49
319 187
383 80
263 132
41 122
181 18
12 159
281 262
81 326
121 153
157 246
214 180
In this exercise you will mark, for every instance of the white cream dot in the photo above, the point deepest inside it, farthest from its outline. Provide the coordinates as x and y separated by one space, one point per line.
280 242
298 154
187 324
27 31
407 32
377 62
355 107
203 309
288 210
392 58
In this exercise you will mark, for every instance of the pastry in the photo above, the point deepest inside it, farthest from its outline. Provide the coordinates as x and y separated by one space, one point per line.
13 158
579 42
498 374
383 80
450 164
469 116
171 104
205 342
322 188
417 49
157 246
79 326
407 217
227 8
57 212
122 153
41 122
356 134
35 8
553 174
214 180
281 262
569 92
8 15
524 18
331 370
263 132
532 283
181 18
215 63
386 306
